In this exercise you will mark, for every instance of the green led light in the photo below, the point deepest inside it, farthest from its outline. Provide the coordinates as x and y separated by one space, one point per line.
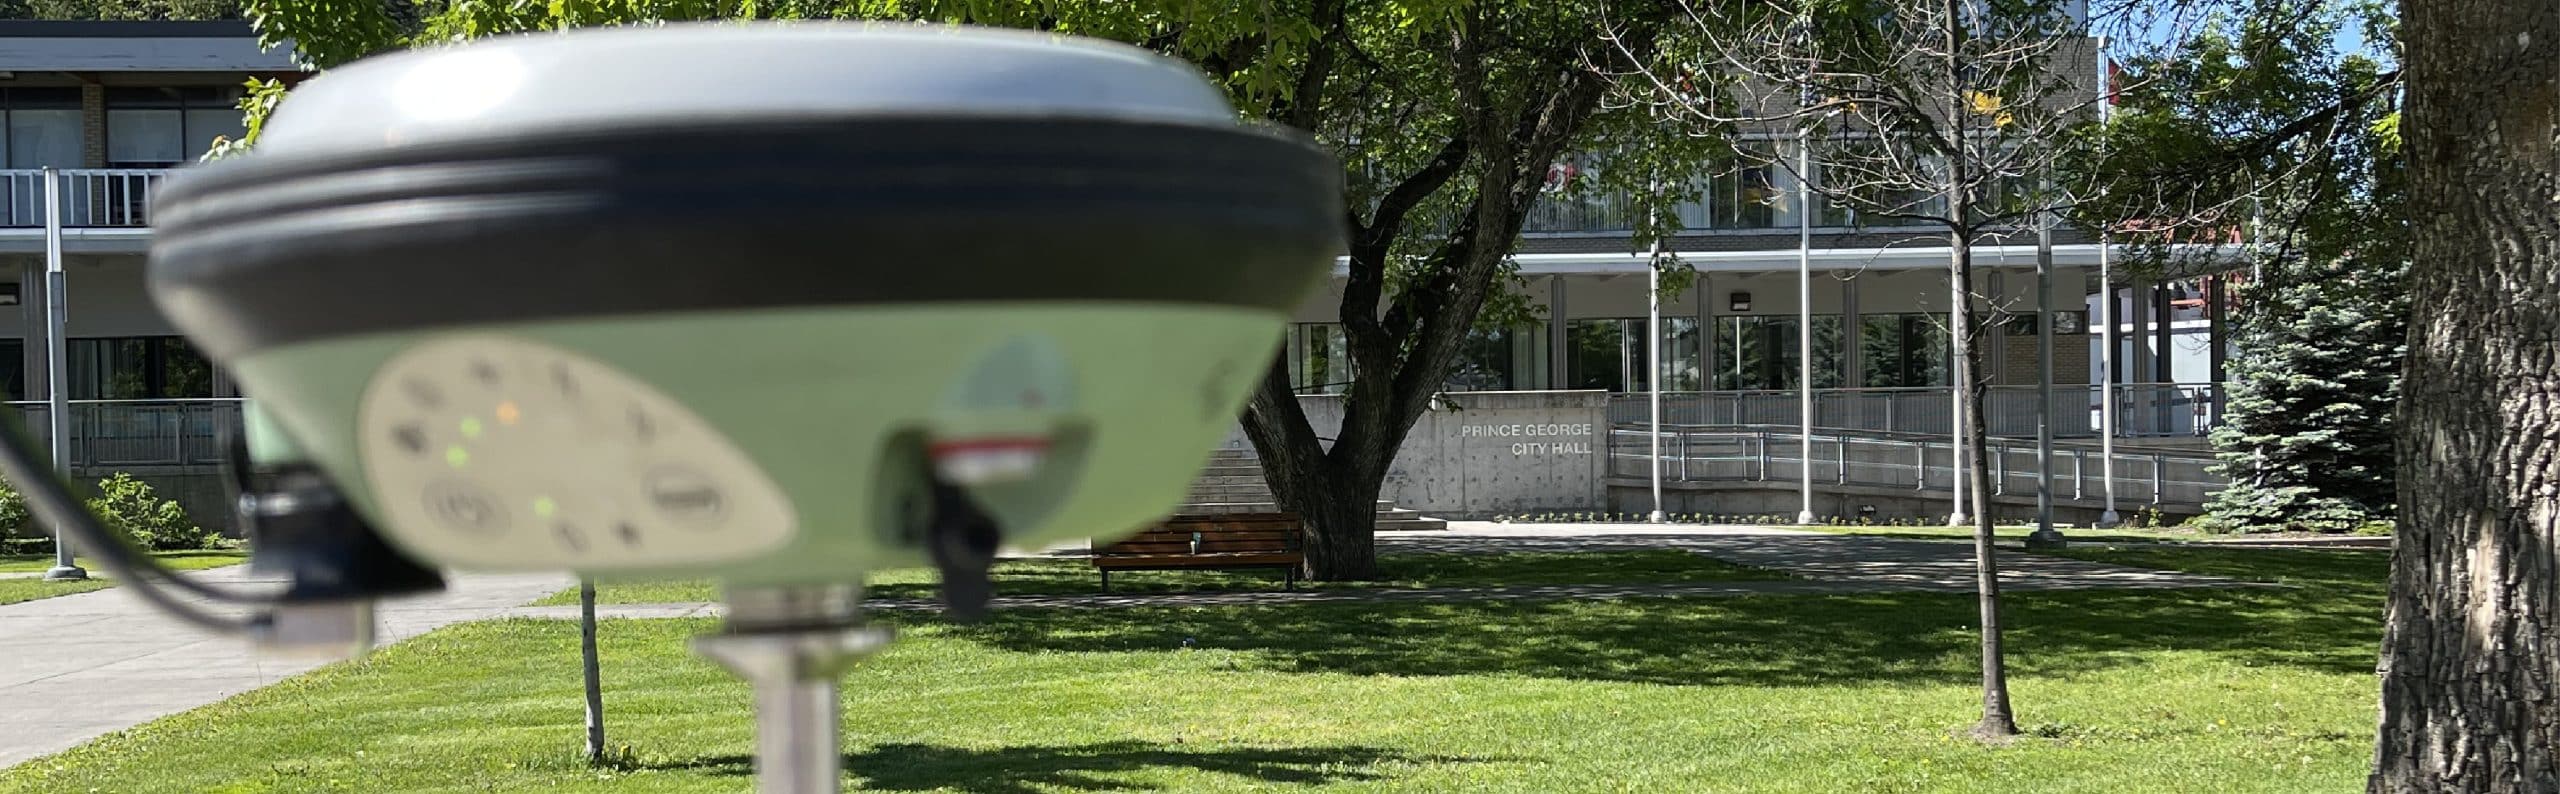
471 427
456 456
544 507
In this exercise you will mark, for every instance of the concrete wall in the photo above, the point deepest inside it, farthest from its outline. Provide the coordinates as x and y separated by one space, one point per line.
106 291
1491 453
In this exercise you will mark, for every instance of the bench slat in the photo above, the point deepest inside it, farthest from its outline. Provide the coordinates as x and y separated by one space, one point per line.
1198 560
1127 549
1186 536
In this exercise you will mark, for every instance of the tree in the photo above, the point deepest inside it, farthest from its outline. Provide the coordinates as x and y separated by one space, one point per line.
1949 113
2469 665
1447 116
2306 438
2471 648
2272 120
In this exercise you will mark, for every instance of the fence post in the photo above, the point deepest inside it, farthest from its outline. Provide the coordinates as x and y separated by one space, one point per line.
1999 471
1842 443
1760 467
1920 476
2159 477
2079 468
1684 455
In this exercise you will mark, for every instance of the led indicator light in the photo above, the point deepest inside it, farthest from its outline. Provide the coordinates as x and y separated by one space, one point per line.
471 427
507 413
544 507
456 456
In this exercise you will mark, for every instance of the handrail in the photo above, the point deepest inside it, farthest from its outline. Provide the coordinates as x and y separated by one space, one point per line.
2165 478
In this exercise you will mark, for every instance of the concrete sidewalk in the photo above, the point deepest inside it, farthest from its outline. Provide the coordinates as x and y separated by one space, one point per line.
77 666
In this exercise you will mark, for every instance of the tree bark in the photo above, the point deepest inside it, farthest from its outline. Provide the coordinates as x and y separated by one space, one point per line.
2471 650
1998 720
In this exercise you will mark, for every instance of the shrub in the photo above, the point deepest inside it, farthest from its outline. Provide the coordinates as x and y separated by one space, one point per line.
128 505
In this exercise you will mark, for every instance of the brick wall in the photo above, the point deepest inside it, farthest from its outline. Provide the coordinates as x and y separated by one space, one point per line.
93 125
2070 360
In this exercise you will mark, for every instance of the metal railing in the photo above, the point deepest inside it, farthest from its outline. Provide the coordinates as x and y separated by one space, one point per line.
2146 477
91 197
124 434
2143 410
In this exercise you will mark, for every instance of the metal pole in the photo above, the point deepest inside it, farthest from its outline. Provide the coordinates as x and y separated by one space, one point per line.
2044 536
57 412
791 644
1653 372
2107 386
1959 303
591 669
1804 315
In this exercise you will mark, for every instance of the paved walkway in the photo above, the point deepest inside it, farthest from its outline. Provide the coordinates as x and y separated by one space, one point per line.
1823 563
77 666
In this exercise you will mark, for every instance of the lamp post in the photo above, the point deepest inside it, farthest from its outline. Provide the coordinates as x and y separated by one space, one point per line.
2044 536
1653 372
57 412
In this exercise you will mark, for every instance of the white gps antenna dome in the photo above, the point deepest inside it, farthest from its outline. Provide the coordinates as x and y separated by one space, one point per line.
775 305
688 74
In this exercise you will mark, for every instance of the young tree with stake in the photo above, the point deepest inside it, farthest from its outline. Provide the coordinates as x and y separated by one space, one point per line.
1949 113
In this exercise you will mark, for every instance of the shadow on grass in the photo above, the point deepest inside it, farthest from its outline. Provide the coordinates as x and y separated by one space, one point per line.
2011 539
2329 622
1396 570
1084 767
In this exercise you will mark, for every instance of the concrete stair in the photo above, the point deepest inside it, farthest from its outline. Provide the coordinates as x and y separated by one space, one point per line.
1233 483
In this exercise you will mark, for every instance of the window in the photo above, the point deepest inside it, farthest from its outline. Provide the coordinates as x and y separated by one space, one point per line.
1870 162
1903 350
136 368
1610 354
1745 195
1760 352
1319 359
13 369
43 127
1500 360
163 127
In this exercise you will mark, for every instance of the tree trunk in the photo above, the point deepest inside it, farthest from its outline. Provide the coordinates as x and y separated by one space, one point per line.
2471 651
1998 721
1333 491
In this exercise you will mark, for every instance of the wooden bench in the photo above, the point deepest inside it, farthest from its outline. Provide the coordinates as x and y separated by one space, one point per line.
1225 541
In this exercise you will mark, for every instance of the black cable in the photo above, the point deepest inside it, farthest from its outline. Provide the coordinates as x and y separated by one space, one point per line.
49 496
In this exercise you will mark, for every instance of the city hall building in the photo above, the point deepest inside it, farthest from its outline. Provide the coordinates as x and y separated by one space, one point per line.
111 107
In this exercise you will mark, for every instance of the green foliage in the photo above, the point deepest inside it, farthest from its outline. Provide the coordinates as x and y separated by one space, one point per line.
120 10
128 505
2262 119
2307 436
17 525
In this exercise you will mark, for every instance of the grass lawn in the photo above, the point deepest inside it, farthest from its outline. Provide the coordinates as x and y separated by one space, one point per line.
17 589
2200 690
181 560
1056 576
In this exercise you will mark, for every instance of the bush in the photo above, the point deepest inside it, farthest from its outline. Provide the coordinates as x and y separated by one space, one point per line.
128 505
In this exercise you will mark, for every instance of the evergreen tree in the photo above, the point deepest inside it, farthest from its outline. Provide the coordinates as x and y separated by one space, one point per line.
2306 434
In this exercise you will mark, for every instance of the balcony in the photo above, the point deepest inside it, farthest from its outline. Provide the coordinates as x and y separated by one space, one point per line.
141 436
91 198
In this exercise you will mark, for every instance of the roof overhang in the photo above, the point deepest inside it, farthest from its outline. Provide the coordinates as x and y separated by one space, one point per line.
40 46
1823 259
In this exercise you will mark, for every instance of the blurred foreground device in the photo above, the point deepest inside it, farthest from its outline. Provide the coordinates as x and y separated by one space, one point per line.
771 305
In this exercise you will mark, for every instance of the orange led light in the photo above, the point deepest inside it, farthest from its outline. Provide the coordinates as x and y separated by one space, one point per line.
507 413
